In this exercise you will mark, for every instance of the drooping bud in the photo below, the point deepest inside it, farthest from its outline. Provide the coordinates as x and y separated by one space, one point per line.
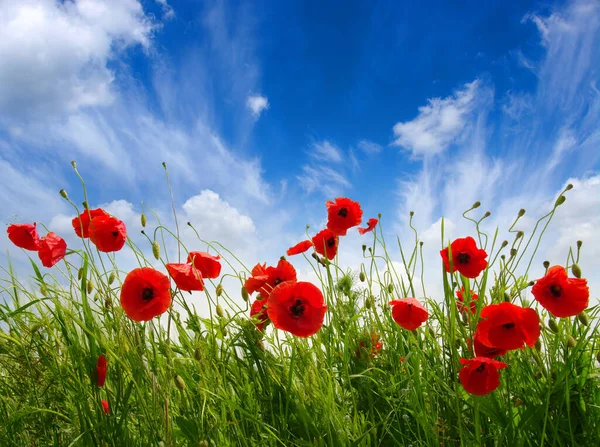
223 330
521 212
546 264
164 163
64 194
513 252
583 318
487 214
220 311
519 235
476 205
576 271
245 296
370 302
552 325
156 250
412 213
421 243
362 277
179 382
569 187
85 204
390 288
198 354
80 274
111 278
219 290
90 287
560 201
579 244
364 247
538 344
531 283
44 290
143 220
571 342
107 303
504 244
74 164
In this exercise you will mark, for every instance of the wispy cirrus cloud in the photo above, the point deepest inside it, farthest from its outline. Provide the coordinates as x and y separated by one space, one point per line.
257 104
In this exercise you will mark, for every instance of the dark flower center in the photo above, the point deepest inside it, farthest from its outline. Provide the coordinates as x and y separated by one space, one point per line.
480 368
277 281
508 326
556 290
297 309
463 258
331 242
147 294
343 212
115 233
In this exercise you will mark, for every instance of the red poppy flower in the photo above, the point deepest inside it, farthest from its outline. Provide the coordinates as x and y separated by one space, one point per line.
107 233
297 307
265 280
343 214
371 343
186 277
326 243
299 248
24 236
209 265
81 223
480 375
145 294
371 223
105 406
560 295
482 350
101 370
466 257
52 249
259 312
462 307
507 326
409 313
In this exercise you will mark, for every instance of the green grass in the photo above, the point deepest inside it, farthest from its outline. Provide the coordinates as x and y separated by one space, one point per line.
218 381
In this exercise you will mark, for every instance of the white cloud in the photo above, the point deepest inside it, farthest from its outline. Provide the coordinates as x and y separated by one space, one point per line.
441 122
54 54
167 10
257 104
369 147
326 151
322 179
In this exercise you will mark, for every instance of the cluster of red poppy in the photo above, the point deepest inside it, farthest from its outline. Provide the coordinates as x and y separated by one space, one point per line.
51 248
106 232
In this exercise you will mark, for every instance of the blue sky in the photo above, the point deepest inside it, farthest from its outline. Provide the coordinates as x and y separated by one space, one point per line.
264 110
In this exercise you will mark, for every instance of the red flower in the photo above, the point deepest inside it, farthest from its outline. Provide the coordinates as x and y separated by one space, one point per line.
299 248
24 236
52 249
409 313
105 406
343 214
371 343
186 277
371 223
81 223
480 375
209 265
482 350
101 370
462 307
265 279
145 294
326 243
507 326
107 233
297 307
466 257
259 311
560 295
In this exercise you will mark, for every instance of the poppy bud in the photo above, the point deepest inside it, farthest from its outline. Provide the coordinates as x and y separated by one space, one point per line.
245 294
179 383
503 257
364 247
546 264
219 290
370 302
569 187
506 298
90 287
531 283
538 375
412 213
519 235
143 220
576 271
362 277
476 205
107 303
431 331
164 163
487 214
44 290
391 288
560 201
64 194
518 402
85 205
74 164
579 244
513 252
220 311
156 250
204 444
80 274
552 325
538 345
571 342
504 244
465 318
111 278
521 212
583 318
223 331
525 303
198 354
421 243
